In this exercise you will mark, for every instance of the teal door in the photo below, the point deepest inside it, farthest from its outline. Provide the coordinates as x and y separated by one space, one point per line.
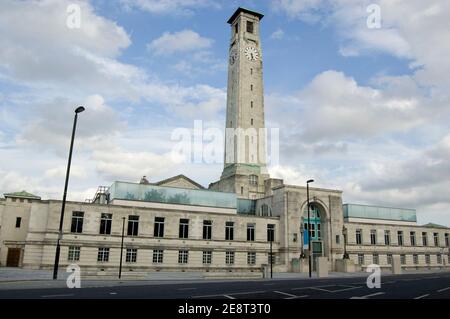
316 232
314 223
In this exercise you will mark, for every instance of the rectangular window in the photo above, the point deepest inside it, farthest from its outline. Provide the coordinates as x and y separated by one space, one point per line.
131 255
427 259
236 28
412 237
270 232
403 259
400 237
103 254
389 259
183 256
251 258
158 231
229 231
373 237
416 259
184 228
447 241
338 239
250 232
358 236
105 224
436 239
74 253
387 237
77 222
207 257
207 229
360 259
133 225
249 26
229 257
424 239
376 259
18 221
158 256
439 258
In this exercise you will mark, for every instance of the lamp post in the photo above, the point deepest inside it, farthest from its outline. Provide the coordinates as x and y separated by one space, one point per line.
302 254
121 247
344 233
309 227
61 219
271 259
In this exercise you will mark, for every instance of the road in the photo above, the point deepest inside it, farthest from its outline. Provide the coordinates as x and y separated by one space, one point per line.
406 286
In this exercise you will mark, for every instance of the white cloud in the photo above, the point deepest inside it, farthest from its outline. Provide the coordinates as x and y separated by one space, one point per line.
302 9
38 49
333 107
409 28
174 7
49 125
277 35
181 41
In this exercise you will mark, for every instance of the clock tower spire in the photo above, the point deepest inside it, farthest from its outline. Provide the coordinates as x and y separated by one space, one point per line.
245 143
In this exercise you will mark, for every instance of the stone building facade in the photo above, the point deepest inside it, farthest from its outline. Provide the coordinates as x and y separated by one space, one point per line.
178 225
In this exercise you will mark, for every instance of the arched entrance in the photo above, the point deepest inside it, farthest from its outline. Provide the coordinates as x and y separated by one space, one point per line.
316 223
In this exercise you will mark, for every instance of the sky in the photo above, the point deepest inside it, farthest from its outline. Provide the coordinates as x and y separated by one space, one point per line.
359 91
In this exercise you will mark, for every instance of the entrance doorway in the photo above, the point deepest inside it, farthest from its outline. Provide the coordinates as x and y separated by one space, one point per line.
13 258
316 232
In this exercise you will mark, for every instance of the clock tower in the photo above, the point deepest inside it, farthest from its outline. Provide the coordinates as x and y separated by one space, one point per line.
245 143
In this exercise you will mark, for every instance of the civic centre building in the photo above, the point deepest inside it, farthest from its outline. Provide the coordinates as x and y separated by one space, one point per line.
232 225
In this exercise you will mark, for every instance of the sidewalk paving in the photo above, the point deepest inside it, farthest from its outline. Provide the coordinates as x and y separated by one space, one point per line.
17 278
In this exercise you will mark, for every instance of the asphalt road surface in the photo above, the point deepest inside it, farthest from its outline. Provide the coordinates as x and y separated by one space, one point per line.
406 286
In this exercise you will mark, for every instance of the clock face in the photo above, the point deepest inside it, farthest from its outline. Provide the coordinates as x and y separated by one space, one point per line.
233 56
251 53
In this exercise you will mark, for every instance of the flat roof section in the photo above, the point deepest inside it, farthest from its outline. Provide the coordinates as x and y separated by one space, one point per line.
379 212
171 195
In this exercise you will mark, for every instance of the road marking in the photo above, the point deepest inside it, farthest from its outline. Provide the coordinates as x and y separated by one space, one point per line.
61 295
367 296
268 284
345 289
229 297
443 289
423 296
286 294
229 294
191 288
113 293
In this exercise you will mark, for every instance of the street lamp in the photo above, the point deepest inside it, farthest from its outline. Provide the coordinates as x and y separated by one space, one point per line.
302 254
121 247
309 226
344 233
61 219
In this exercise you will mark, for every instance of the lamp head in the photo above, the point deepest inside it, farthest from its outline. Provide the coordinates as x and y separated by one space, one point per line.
79 109
309 181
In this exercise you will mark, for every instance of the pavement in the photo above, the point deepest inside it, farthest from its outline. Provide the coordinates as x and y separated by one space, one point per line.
417 285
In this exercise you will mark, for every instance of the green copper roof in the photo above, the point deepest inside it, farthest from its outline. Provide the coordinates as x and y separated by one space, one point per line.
22 194
432 225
